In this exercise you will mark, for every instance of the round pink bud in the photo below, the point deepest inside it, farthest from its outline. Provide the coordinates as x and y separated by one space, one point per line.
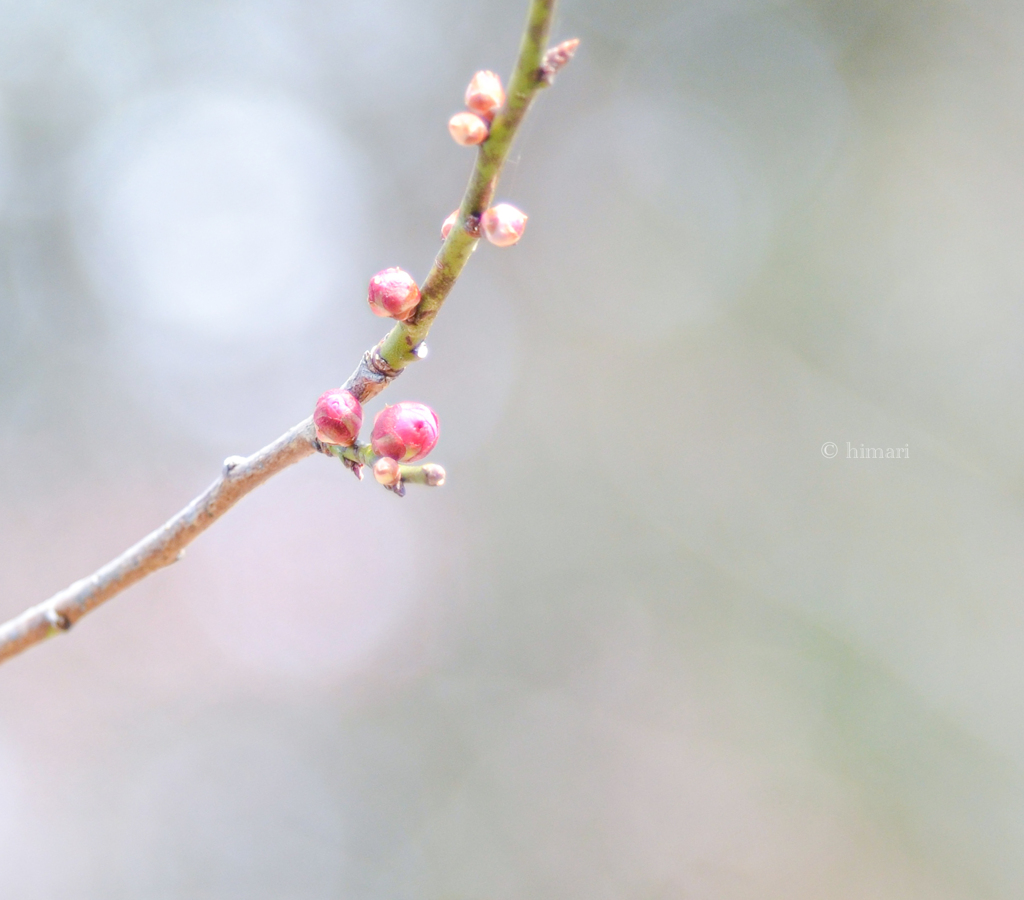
467 129
385 470
449 224
485 94
405 432
338 417
503 225
393 294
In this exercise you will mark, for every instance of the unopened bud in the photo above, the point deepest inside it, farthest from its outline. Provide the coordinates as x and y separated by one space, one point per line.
385 470
503 225
449 224
393 294
406 432
467 129
231 463
434 474
485 94
338 417
557 58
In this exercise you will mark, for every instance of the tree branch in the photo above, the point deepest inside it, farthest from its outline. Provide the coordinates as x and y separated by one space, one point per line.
160 548
378 367
398 348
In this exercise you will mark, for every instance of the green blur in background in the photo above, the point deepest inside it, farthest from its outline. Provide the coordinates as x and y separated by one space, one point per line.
654 639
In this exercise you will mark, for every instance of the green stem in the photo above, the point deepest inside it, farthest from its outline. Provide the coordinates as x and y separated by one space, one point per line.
363 455
526 81
357 453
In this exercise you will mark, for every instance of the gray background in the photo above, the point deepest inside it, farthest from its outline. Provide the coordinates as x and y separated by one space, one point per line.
648 642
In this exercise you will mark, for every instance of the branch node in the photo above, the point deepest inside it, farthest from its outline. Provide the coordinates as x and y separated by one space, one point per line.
372 375
232 463
58 620
556 59
356 468
379 365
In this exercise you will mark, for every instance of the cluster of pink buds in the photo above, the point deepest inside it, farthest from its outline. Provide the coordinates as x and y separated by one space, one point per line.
403 433
503 225
408 431
483 97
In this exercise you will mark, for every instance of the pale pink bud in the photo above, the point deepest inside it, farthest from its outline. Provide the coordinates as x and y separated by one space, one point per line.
485 94
338 417
393 294
557 58
503 225
405 432
449 224
467 129
385 470
434 474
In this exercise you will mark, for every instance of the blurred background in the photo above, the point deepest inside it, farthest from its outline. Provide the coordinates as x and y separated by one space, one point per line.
651 640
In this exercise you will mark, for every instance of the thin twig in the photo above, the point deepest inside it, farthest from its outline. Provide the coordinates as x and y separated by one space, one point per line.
376 370
161 548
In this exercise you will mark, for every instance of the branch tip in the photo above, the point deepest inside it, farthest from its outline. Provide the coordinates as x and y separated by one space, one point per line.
372 375
58 620
556 59
433 474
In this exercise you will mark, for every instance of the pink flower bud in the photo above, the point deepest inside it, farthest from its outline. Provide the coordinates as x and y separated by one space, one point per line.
503 225
393 293
405 432
449 224
385 470
467 129
485 94
338 418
